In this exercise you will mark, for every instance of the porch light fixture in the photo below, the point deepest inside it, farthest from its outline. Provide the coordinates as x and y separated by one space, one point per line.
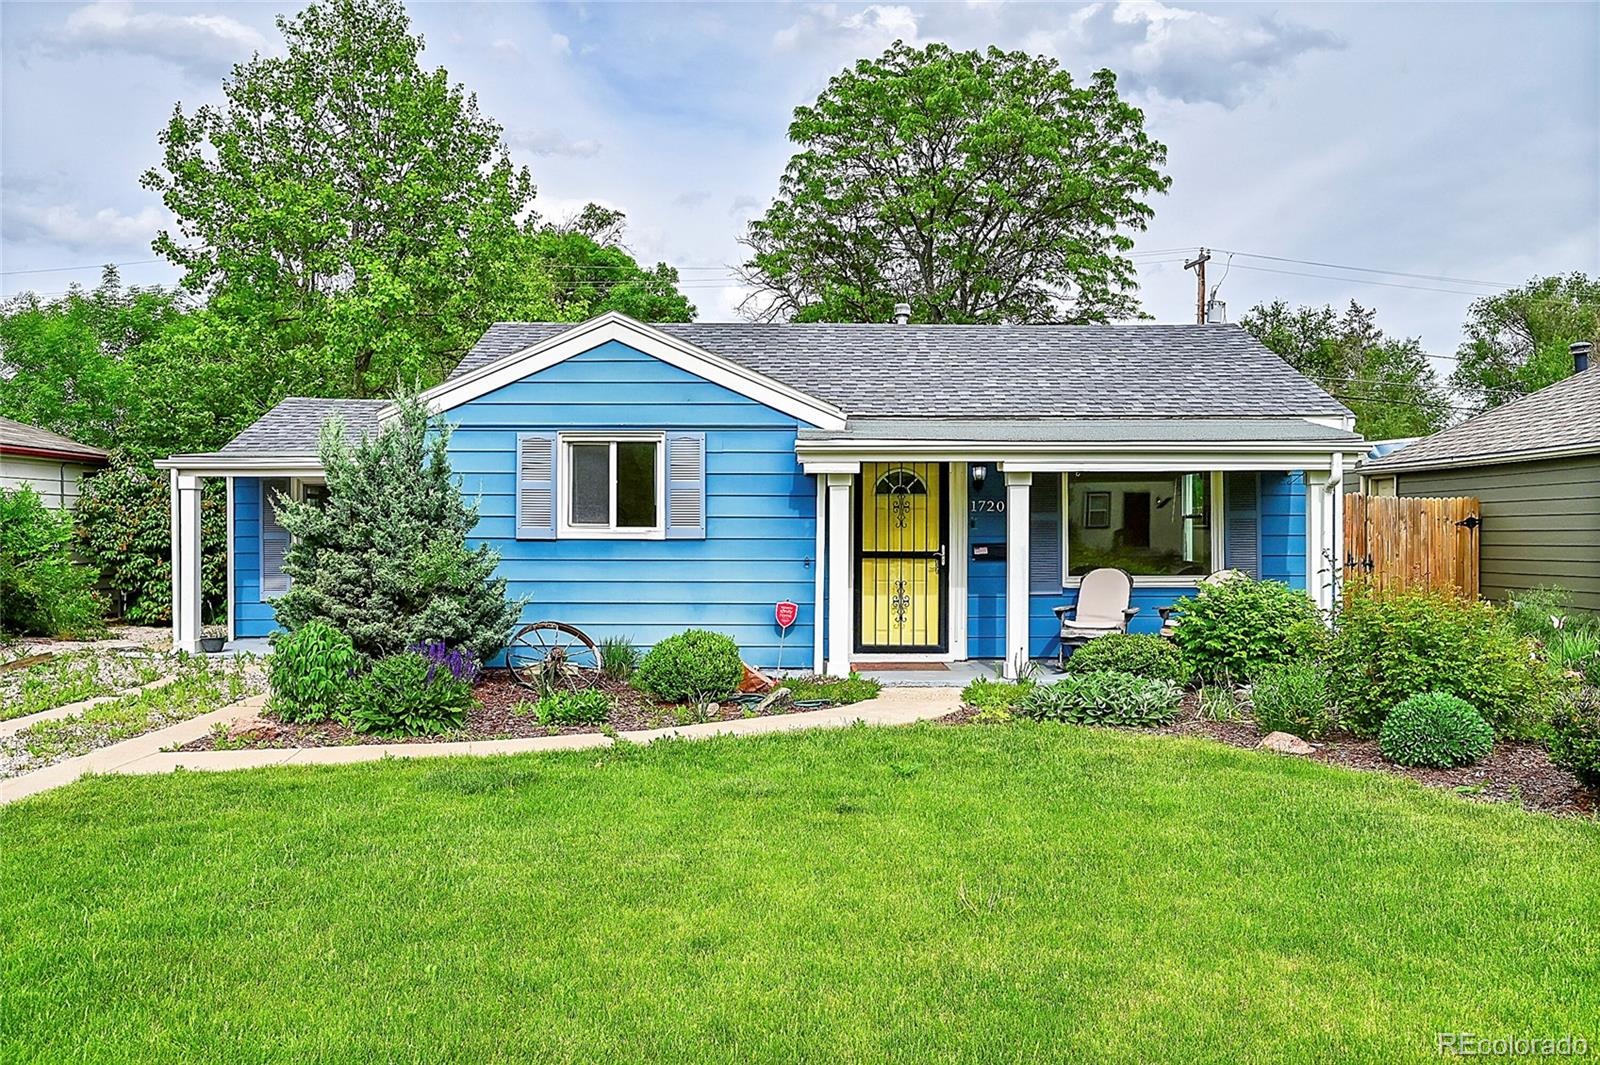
979 472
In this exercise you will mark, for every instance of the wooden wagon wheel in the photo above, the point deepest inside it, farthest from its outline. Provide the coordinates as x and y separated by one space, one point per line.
551 655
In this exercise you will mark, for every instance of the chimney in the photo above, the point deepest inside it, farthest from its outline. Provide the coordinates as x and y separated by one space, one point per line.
902 314
1580 355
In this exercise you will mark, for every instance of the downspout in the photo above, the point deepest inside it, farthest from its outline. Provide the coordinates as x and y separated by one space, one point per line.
1335 487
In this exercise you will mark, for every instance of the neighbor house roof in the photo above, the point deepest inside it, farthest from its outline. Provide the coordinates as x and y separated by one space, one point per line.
294 426
20 438
1085 431
986 371
1561 419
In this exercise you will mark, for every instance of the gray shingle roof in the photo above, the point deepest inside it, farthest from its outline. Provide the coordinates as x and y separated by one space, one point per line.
1087 430
1082 371
293 426
1564 416
20 435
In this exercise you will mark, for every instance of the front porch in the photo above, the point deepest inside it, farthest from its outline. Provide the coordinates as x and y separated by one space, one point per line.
1003 520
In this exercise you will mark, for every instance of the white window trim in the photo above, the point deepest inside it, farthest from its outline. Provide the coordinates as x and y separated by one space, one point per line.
565 530
1218 521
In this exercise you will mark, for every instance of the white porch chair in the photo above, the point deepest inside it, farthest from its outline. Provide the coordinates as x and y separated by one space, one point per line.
1102 608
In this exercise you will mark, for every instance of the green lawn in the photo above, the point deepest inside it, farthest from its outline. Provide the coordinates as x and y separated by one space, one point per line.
1026 892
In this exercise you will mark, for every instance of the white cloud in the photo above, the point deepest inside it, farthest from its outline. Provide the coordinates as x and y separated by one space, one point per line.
507 47
552 142
871 29
202 45
560 43
1179 53
65 225
745 206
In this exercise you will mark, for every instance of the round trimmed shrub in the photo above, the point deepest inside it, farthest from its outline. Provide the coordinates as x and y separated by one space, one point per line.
1141 655
1435 731
310 671
692 666
407 695
1575 738
1293 699
1104 698
1240 626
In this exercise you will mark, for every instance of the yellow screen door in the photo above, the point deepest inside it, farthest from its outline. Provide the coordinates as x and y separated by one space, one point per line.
903 522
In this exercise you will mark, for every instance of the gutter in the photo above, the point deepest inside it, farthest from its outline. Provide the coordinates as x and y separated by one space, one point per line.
1389 467
87 458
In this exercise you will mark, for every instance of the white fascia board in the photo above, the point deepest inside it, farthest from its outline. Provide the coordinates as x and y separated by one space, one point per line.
828 456
242 466
653 342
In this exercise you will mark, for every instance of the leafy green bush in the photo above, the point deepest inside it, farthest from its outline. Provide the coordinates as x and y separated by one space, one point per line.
1575 738
1435 730
385 559
1240 626
1396 644
43 592
1141 655
1292 698
1218 702
835 691
618 657
406 695
125 530
587 706
1540 611
692 666
310 671
1104 698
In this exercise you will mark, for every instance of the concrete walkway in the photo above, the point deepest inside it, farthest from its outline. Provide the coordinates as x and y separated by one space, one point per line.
145 754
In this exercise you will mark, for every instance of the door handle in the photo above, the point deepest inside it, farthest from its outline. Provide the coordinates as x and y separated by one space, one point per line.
941 556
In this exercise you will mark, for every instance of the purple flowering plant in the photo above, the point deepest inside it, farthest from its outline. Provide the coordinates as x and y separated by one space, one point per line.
461 664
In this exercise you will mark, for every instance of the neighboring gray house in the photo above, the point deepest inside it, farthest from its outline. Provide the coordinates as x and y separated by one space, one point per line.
1534 465
47 462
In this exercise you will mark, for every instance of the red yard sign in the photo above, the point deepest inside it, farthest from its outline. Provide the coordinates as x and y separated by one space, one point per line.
786 612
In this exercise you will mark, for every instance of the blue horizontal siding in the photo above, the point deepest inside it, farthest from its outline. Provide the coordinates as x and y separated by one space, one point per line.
252 617
1283 528
760 509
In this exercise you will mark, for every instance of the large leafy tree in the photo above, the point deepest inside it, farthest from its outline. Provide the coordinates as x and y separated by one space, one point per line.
1386 381
590 271
977 186
357 210
73 363
1518 341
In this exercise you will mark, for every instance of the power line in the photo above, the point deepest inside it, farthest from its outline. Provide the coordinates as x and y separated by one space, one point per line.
1370 270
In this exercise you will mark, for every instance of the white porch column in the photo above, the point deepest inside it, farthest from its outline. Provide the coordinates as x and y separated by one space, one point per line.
186 562
1320 505
1019 488
841 578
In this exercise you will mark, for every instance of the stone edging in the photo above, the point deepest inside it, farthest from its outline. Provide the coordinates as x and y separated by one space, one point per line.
144 754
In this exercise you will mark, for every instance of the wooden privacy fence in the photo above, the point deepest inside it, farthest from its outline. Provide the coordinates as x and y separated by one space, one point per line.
1397 543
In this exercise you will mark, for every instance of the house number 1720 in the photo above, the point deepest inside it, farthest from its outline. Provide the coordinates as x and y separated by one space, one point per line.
989 506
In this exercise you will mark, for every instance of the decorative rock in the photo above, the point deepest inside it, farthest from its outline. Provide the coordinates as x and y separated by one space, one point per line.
777 698
1285 743
245 726
754 681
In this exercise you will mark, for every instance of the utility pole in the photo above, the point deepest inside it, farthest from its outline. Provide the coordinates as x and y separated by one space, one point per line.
1198 264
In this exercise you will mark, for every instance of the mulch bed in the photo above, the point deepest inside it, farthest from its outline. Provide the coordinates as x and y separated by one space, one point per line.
492 717
1513 772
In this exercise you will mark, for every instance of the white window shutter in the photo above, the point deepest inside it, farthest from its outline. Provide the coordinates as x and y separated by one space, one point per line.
536 486
686 486
274 540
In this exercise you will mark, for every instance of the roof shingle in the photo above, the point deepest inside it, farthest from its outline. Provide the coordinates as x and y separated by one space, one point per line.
1083 371
294 425
1563 417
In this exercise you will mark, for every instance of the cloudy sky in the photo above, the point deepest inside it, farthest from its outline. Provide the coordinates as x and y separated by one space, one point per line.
1431 152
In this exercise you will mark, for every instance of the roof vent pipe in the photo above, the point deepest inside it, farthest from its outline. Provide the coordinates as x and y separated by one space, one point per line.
902 314
1580 355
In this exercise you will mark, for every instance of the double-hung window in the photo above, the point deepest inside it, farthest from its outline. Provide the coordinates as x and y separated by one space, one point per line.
612 485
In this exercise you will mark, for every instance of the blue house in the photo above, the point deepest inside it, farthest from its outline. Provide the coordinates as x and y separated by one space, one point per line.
920 493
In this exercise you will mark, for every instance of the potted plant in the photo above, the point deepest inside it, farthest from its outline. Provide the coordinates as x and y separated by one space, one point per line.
212 636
